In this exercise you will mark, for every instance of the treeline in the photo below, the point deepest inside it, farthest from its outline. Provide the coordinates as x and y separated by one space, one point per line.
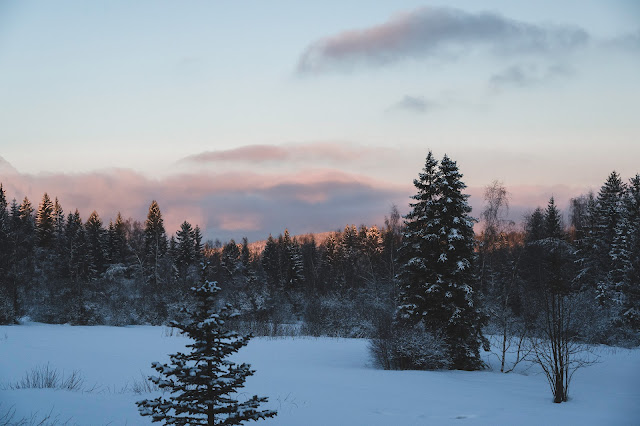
57 268
594 257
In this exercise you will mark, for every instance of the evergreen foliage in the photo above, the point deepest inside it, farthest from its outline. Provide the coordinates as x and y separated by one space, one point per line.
204 383
437 256
155 243
95 243
185 255
45 222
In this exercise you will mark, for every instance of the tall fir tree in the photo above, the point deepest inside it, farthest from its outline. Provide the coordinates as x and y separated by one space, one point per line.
625 254
197 244
292 264
608 214
45 222
76 250
155 241
271 262
96 245
185 249
437 256
204 382
25 215
5 254
419 247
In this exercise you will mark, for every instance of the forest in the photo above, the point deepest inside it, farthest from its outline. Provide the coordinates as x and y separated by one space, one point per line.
425 280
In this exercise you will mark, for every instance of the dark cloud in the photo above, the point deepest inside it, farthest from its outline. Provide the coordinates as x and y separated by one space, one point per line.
437 31
415 104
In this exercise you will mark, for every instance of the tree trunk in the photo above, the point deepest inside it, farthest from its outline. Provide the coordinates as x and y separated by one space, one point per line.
558 394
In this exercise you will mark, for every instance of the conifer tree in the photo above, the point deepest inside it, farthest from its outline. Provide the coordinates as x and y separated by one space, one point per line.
155 241
59 243
185 248
608 214
4 226
204 382
5 253
197 244
21 268
58 218
625 253
45 222
76 251
118 250
246 269
271 262
331 255
4 213
96 250
25 215
292 262
437 257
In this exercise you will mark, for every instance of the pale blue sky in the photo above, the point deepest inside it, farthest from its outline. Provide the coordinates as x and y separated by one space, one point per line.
92 86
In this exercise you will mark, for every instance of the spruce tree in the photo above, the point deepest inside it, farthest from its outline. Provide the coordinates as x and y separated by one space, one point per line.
419 248
185 248
271 262
45 222
350 246
5 253
155 242
197 244
437 264
292 265
96 250
76 249
608 214
204 383
627 252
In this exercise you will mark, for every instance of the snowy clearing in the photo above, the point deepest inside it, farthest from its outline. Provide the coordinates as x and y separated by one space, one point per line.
309 381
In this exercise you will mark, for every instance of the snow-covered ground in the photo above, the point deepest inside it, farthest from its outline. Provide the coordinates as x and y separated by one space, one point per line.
309 381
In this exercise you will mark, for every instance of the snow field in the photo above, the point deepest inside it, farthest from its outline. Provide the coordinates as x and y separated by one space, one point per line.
309 381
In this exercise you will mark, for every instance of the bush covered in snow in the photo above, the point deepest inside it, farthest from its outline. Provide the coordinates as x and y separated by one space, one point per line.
408 348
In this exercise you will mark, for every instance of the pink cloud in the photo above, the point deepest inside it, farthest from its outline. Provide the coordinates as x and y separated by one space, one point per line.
237 204
224 205
332 152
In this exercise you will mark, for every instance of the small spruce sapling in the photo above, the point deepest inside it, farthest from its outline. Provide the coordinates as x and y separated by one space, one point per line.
203 382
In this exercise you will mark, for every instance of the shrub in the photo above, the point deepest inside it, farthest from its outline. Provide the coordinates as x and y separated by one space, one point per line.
408 348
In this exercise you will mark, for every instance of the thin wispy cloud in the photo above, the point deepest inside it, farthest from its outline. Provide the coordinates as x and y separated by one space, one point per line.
317 152
527 75
417 104
437 31
629 41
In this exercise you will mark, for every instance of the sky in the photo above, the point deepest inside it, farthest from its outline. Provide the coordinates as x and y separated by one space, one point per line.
249 117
